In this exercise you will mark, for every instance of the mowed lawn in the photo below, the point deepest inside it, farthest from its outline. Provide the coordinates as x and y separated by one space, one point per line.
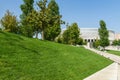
24 58
114 52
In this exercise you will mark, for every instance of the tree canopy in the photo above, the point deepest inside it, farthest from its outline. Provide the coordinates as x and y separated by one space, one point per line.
71 35
9 22
53 29
27 7
103 33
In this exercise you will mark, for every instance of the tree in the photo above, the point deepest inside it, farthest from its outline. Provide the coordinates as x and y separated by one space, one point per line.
9 22
103 33
34 21
43 16
71 35
26 8
74 33
53 29
66 35
80 41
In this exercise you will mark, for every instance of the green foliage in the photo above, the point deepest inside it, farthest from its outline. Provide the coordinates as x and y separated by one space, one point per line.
34 22
53 29
116 42
27 31
103 33
27 8
43 15
74 33
65 36
119 42
59 39
84 42
51 32
96 43
71 35
45 20
24 58
9 22
80 41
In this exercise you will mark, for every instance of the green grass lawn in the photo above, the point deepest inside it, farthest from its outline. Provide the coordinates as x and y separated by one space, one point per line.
114 52
24 58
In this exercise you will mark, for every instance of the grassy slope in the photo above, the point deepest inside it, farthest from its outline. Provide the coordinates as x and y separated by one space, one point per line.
22 58
114 52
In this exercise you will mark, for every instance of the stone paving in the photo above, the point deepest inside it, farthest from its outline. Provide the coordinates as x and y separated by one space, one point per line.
112 72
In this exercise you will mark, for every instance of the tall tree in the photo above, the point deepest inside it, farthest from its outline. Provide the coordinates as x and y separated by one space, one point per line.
74 33
26 8
66 35
9 22
71 35
34 21
53 29
103 33
43 16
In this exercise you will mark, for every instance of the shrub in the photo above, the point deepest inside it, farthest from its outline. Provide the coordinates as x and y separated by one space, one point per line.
116 42
0 29
80 41
59 39
96 44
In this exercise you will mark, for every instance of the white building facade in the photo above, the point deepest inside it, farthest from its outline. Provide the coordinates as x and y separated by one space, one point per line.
117 36
92 34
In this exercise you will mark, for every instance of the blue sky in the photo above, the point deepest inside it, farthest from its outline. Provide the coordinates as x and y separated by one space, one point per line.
87 13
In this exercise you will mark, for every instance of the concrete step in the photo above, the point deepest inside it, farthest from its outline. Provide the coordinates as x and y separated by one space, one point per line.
108 73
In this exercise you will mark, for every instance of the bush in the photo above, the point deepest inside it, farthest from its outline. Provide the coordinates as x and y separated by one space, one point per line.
0 29
59 39
80 41
119 42
96 44
72 42
84 42
116 42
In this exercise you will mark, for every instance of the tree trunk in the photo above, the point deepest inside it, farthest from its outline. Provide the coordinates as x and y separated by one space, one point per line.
36 34
43 37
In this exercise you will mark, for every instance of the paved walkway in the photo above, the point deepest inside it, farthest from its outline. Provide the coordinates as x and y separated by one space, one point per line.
118 72
112 72
108 73
112 57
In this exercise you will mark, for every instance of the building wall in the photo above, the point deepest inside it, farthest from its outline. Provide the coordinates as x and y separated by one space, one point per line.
111 36
89 34
117 36
92 34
